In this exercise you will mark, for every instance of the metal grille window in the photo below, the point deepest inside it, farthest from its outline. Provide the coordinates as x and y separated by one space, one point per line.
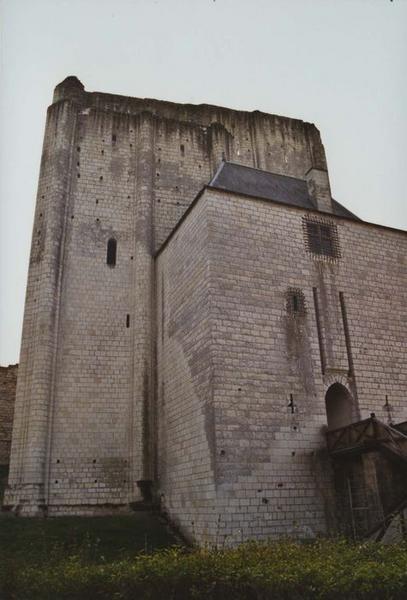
295 302
322 238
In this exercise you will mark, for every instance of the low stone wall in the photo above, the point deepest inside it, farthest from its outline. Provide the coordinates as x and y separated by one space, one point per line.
8 383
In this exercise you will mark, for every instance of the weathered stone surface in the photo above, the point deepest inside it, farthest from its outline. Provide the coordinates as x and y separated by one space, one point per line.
194 368
8 383
223 280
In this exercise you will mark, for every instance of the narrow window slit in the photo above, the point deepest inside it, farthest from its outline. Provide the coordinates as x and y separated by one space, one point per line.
111 252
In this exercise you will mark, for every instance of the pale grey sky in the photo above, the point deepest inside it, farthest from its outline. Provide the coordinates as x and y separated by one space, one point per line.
341 64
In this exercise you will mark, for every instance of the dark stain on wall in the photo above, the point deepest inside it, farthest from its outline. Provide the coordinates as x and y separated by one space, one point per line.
8 385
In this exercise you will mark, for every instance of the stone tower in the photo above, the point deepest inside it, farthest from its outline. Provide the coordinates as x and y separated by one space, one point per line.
116 175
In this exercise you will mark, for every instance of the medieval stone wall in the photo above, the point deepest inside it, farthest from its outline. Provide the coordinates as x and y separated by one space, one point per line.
8 384
186 446
35 387
272 366
124 169
187 143
94 420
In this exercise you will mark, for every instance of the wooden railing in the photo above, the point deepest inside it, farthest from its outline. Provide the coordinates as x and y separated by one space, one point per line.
367 435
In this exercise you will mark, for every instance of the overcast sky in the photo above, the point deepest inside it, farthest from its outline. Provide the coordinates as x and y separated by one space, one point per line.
341 64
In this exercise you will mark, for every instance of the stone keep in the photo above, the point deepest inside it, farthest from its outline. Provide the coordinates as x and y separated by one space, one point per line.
195 297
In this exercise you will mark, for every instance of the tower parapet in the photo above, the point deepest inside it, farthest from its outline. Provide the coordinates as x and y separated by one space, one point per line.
69 89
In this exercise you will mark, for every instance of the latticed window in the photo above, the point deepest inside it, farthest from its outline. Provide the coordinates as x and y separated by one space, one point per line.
295 302
322 238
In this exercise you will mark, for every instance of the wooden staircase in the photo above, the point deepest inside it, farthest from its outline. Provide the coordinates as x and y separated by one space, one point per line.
347 444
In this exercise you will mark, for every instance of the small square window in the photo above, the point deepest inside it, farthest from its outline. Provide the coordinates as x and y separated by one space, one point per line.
321 237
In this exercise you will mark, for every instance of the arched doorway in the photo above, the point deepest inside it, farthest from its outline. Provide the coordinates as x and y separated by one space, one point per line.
338 402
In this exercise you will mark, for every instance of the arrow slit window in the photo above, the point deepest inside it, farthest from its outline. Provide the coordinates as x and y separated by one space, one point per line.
111 252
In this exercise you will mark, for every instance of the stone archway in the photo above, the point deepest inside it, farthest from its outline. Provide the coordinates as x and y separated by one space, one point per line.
339 406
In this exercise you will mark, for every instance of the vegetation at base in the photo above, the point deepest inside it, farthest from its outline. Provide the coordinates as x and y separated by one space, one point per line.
35 545
35 540
114 568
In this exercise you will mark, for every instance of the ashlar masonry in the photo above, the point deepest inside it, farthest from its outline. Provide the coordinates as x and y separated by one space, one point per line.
206 330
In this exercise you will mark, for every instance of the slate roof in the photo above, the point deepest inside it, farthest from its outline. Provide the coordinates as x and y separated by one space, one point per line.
233 177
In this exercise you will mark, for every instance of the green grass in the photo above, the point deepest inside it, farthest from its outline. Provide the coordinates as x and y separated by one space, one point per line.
131 558
34 546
